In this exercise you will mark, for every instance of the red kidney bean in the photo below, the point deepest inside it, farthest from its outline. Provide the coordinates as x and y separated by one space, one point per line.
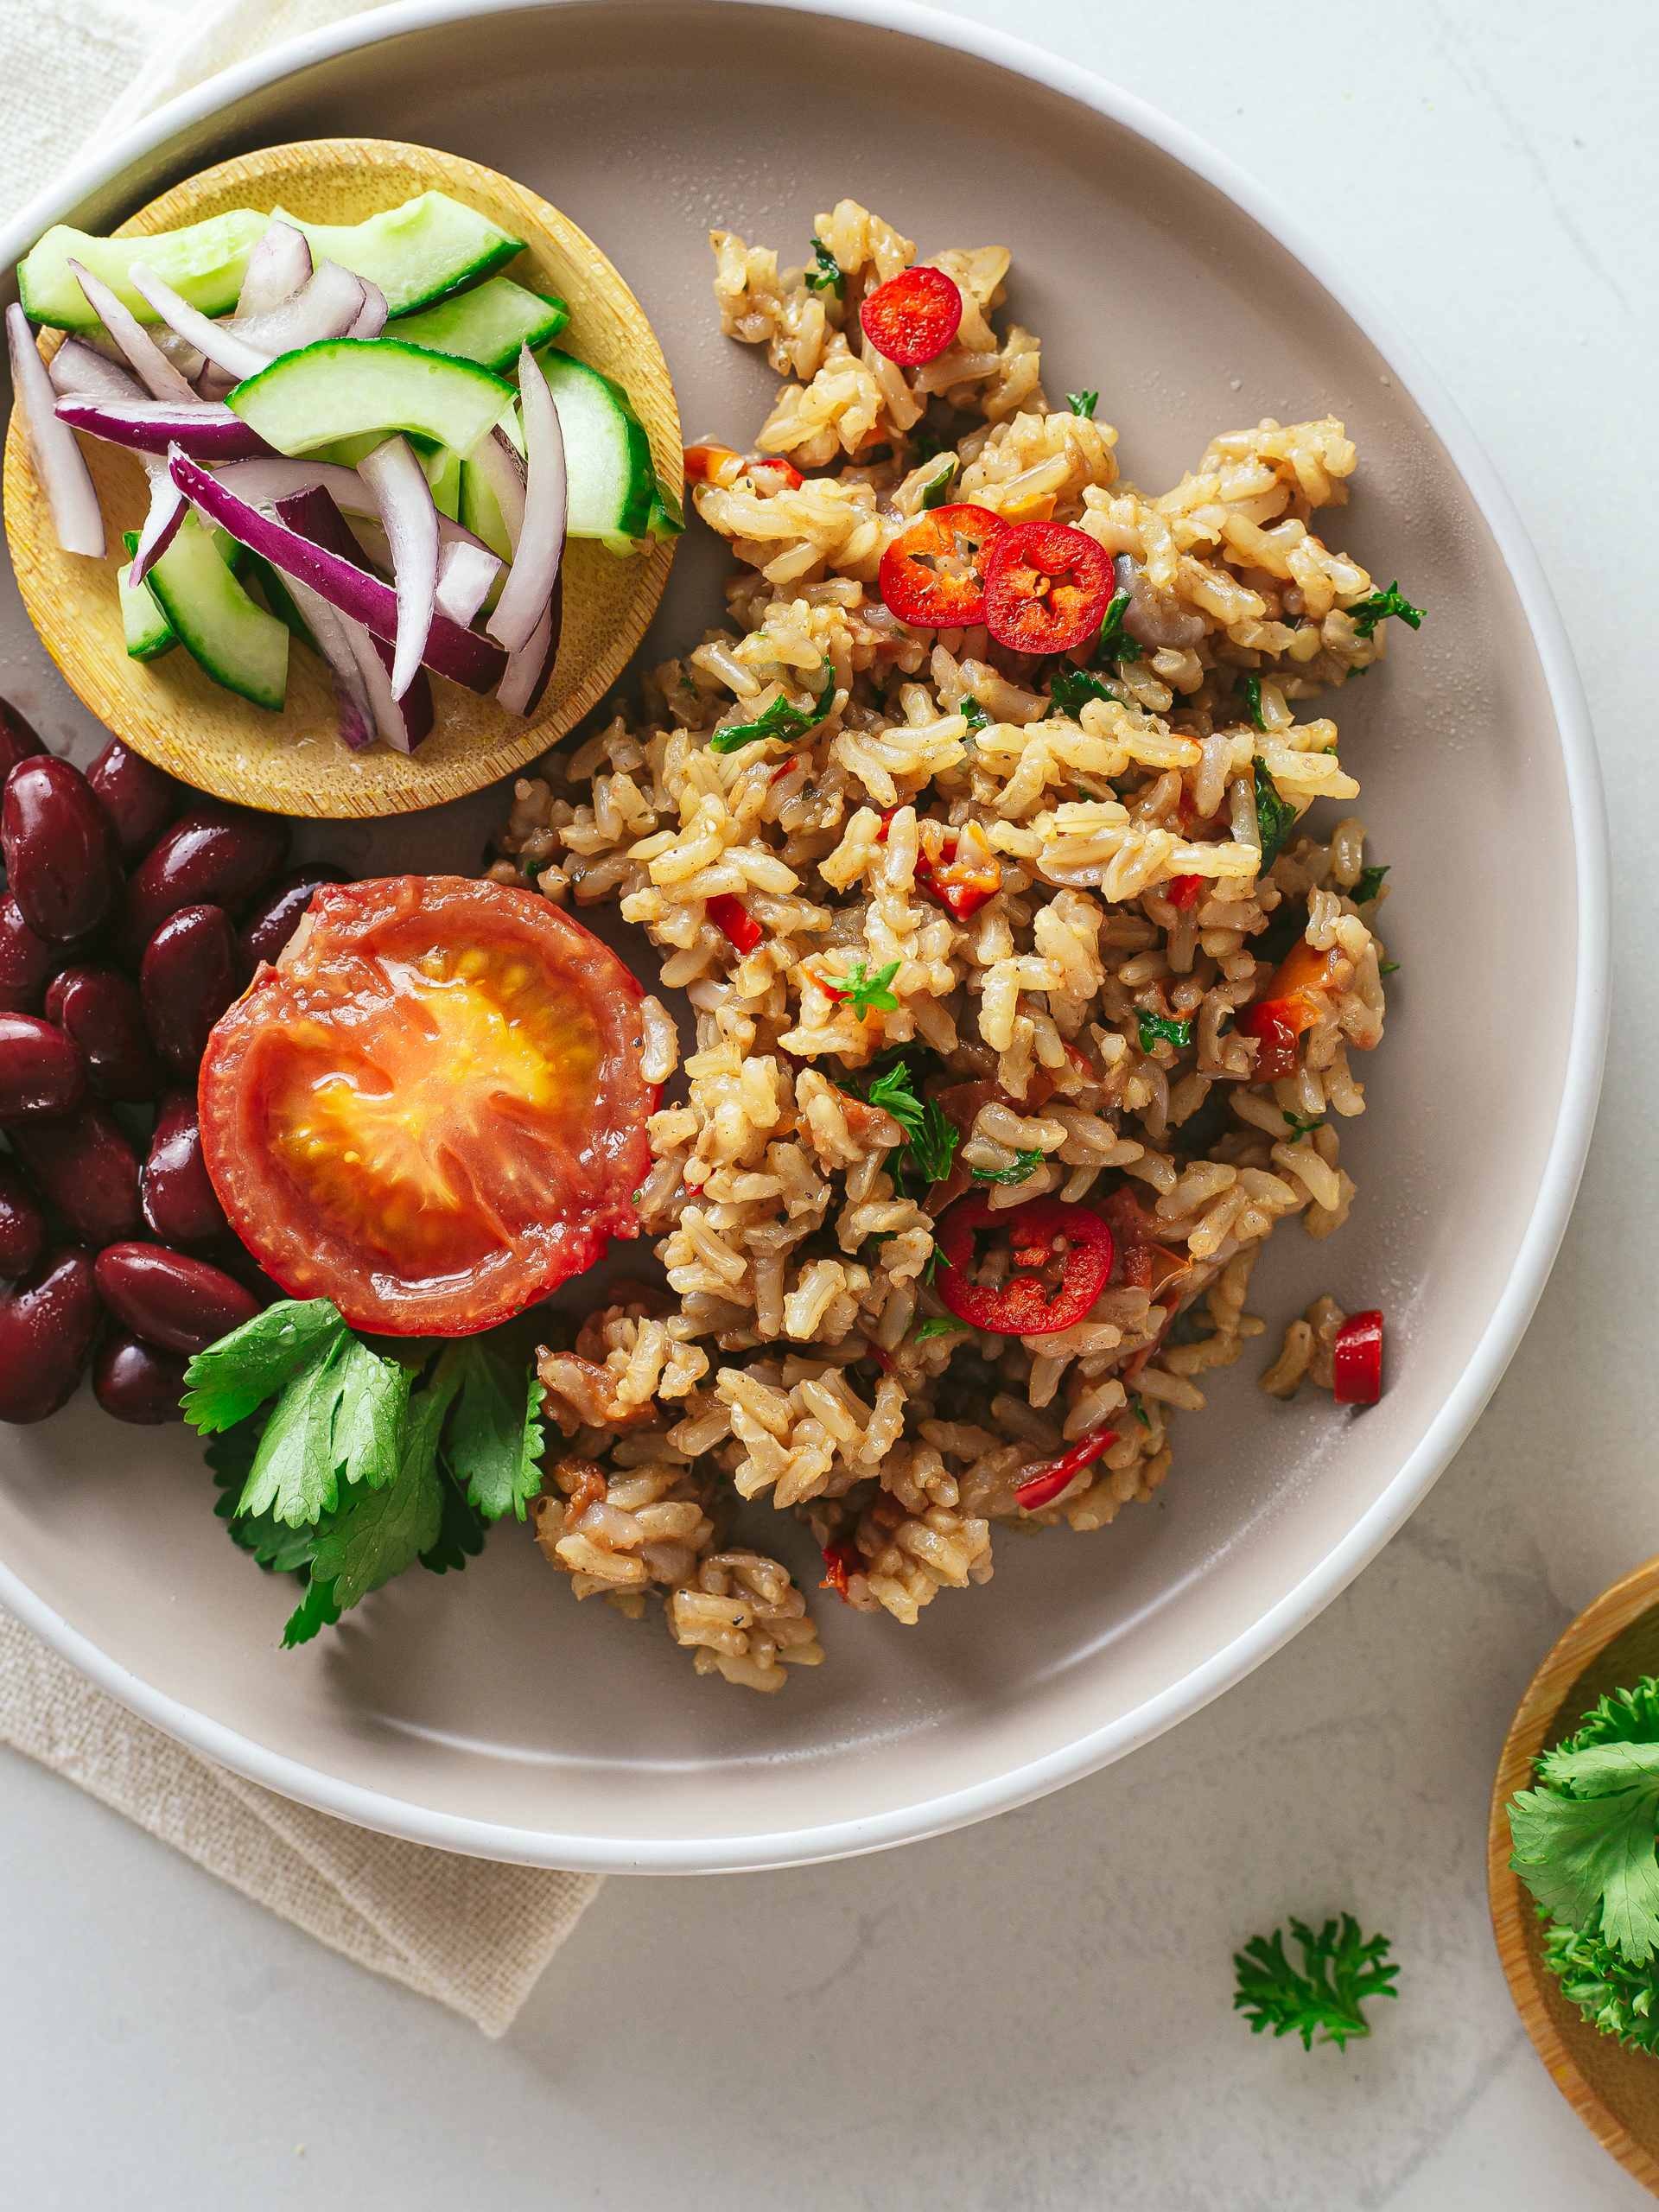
85 1168
191 973
268 929
100 1008
41 1070
63 859
22 1224
139 797
174 1190
170 1299
47 1322
28 963
139 1382
17 739
217 856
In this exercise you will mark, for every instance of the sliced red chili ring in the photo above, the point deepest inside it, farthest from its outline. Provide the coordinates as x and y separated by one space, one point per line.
1021 1306
934 575
735 921
839 1561
1183 890
1045 1485
1047 588
913 316
1357 1359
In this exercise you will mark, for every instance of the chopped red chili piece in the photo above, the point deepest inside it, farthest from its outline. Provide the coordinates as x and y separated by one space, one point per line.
839 1561
1183 890
956 868
913 316
1290 1004
933 575
772 473
1047 587
782 769
1043 1487
1357 1359
1023 1307
882 1358
735 921
712 464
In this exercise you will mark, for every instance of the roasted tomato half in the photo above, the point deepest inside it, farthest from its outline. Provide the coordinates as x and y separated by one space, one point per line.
430 1109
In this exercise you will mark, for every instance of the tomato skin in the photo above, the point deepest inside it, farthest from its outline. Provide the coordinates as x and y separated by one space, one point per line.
1357 1359
1047 588
1021 1308
913 316
925 596
432 1145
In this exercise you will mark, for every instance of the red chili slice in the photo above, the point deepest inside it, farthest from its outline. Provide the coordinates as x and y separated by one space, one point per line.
735 921
961 871
913 316
1288 1008
1183 890
839 1561
1047 588
934 575
1022 1307
1357 1359
1045 1485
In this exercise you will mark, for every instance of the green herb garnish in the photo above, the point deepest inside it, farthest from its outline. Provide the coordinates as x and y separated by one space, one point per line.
827 275
864 991
937 490
1114 642
1303 1125
924 1330
779 720
1389 968
1585 1836
1024 1167
1370 882
1084 404
1154 1027
1070 689
1251 687
1367 612
1340 1973
1275 817
932 1138
974 714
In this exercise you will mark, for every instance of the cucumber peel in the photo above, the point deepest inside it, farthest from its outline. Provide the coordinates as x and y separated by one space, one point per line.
149 634
238 643
607 455
342 387
204 263
486 324
415 253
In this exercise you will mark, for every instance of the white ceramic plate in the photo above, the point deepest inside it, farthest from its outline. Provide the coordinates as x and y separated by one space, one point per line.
486 1713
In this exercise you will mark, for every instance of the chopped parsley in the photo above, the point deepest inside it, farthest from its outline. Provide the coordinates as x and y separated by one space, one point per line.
1070 689
1275 817
1303 1125
1369 612
1389 968
1370 882
974 714
1251 687
1084 404
1155 1028
779 720
1024 1167
924 1330
937 490
826 276
1339 1973
864 991
1114 643
930 1137
1142 1414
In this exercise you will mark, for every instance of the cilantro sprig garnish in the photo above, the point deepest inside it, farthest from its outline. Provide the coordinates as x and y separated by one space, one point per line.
826 275
1026 1165
930 1137
1113 642
779 720
1275 817
1084 404
340 1464
1165 1028
1367 612
863 992
1340 1972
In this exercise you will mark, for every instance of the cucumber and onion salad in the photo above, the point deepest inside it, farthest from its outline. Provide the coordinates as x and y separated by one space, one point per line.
314 403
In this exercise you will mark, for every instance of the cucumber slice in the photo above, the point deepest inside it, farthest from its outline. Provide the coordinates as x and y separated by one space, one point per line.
666 518
343 386
607 454
487 325
481 511
349 451
417 252
443 474
239 643
148 632
204 263
279 599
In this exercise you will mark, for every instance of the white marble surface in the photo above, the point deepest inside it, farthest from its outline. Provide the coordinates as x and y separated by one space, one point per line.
1035 2013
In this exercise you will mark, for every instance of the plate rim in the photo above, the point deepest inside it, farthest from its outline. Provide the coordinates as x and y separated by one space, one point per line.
1558 1181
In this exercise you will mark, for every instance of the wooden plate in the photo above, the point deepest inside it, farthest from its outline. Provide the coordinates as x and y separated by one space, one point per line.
293 762
1613 2089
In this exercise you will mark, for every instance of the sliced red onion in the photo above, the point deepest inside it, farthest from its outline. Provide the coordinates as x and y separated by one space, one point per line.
220 344
168 509
279 264
156 373
539 546
327 306
184 357
410 521
531 667
373 541
466 572
80 370
371 318
58 462
262 483
453 652
403 723
209 434
352 705
499 465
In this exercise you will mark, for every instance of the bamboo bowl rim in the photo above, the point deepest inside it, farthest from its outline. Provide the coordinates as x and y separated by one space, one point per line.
1613 2089
294 763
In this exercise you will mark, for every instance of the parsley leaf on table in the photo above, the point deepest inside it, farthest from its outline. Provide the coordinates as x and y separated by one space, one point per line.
1367 612
1339 1973
234 1378
1275 817
316 1610
369 1416
379 1533
295 1474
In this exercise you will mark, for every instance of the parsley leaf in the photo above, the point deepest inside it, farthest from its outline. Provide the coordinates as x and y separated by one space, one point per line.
928 1271
937 490
380 1532
932 1137
274 1548
495 1440
779 720
234 1378
1370 882
1585 1841
827 275
461 1528
1114 642
974 713
1617 1999
924 1330
316 1610
1367 612
1026 1165
1389 968
1084 404
369 1418
1340 1972
1275 817
1302 1125
295 1472
1154 1027
863 992
1070 689
1251 687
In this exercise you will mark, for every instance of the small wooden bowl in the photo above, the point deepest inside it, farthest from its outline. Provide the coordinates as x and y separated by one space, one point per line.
293 762
1613 2089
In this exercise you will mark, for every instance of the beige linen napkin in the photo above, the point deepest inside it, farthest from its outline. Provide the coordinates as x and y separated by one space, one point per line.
472 1934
